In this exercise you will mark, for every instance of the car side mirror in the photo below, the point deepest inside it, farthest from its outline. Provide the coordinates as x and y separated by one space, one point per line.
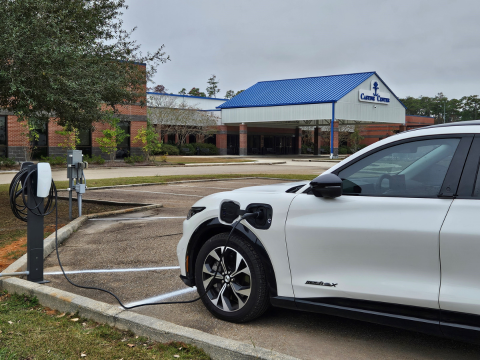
328 186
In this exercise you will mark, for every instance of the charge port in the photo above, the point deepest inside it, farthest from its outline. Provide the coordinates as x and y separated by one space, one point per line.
264 220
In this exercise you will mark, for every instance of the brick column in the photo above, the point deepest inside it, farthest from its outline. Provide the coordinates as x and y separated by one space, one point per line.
298 140
335 140
222 139
165 138
401 128
242 151
317 140
176 138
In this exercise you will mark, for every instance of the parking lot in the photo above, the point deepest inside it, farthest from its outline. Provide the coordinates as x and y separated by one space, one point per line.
134 255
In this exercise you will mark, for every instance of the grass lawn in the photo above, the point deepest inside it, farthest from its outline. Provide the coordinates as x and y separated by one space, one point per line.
30 331
195 160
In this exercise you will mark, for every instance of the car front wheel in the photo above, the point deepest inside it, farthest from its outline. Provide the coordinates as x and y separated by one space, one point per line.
237 287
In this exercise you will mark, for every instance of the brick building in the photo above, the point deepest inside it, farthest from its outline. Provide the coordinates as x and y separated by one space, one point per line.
13 138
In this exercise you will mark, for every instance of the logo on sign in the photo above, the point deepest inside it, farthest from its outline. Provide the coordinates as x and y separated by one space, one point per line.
373 95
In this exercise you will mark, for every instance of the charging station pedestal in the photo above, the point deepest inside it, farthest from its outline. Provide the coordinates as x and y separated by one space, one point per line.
34 232
75 167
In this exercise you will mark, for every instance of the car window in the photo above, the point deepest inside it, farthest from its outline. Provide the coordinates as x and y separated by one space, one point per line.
413 169
476 189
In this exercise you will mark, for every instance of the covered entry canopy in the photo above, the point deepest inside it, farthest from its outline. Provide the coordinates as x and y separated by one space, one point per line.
351 98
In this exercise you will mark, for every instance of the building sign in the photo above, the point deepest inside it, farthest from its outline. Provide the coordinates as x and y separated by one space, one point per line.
373 95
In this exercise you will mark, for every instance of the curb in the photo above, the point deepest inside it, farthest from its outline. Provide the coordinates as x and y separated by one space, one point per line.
155 329
159 330
239 163
326 160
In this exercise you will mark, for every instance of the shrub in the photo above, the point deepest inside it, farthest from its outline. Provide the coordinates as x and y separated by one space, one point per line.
205 149
54 160
7 162
307 149
95 159
187 149
343 150
169 149
133 159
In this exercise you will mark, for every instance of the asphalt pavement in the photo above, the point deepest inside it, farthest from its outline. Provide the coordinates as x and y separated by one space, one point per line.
136 256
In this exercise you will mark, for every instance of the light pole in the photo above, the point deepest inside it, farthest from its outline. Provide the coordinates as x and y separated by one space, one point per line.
444 112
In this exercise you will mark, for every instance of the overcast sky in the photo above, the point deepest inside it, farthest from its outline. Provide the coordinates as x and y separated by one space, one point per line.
418 47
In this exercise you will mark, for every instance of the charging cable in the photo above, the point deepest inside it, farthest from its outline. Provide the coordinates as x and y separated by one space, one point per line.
20 211
244 216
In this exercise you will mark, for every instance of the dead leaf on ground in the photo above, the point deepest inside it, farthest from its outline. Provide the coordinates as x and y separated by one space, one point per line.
131 345
74 319
10 322
83 354
61 315
176 356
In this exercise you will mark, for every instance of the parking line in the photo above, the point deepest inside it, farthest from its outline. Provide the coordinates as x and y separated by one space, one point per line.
149 218
163 297
203 187
157 192
112 270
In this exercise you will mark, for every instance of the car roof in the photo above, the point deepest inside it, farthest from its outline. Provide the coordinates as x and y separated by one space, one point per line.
457 123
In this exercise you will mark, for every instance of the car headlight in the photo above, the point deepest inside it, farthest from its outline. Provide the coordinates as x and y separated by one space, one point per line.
193 211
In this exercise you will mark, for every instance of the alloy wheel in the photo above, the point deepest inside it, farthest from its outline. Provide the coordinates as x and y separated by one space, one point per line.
229 283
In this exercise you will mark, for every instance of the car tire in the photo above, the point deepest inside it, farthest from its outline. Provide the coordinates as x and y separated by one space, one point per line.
239 293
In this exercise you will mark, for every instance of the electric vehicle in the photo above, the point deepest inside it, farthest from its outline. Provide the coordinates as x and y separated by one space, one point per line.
389 235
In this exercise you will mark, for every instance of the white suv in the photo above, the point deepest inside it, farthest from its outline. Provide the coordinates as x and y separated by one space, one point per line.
390 235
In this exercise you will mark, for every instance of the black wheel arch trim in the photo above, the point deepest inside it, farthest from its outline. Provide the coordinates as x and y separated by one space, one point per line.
213 227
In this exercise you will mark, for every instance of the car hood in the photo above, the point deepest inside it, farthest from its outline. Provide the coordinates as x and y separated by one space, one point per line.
274 188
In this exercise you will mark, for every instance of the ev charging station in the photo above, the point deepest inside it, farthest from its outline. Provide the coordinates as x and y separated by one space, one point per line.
28 191
33 196
76 179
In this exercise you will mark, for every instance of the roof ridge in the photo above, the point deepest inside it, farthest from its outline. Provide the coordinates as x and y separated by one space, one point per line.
316 77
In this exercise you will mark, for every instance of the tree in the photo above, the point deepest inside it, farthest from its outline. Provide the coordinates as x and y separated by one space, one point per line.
196 92
239 92
149 139
471 105
212 88
356 137
182 92
29 135
229 94
65 59
70 139
173 116
112 137
160 89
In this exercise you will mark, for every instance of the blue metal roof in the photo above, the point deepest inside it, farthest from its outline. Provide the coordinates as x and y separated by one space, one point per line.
312 90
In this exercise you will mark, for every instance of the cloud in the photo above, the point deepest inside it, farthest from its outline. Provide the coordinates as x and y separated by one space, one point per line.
419 47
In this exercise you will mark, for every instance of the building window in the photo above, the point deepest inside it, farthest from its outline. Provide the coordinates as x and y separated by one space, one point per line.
41 142
124 147
85 142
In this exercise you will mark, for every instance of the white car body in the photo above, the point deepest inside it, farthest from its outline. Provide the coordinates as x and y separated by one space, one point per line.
407 261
